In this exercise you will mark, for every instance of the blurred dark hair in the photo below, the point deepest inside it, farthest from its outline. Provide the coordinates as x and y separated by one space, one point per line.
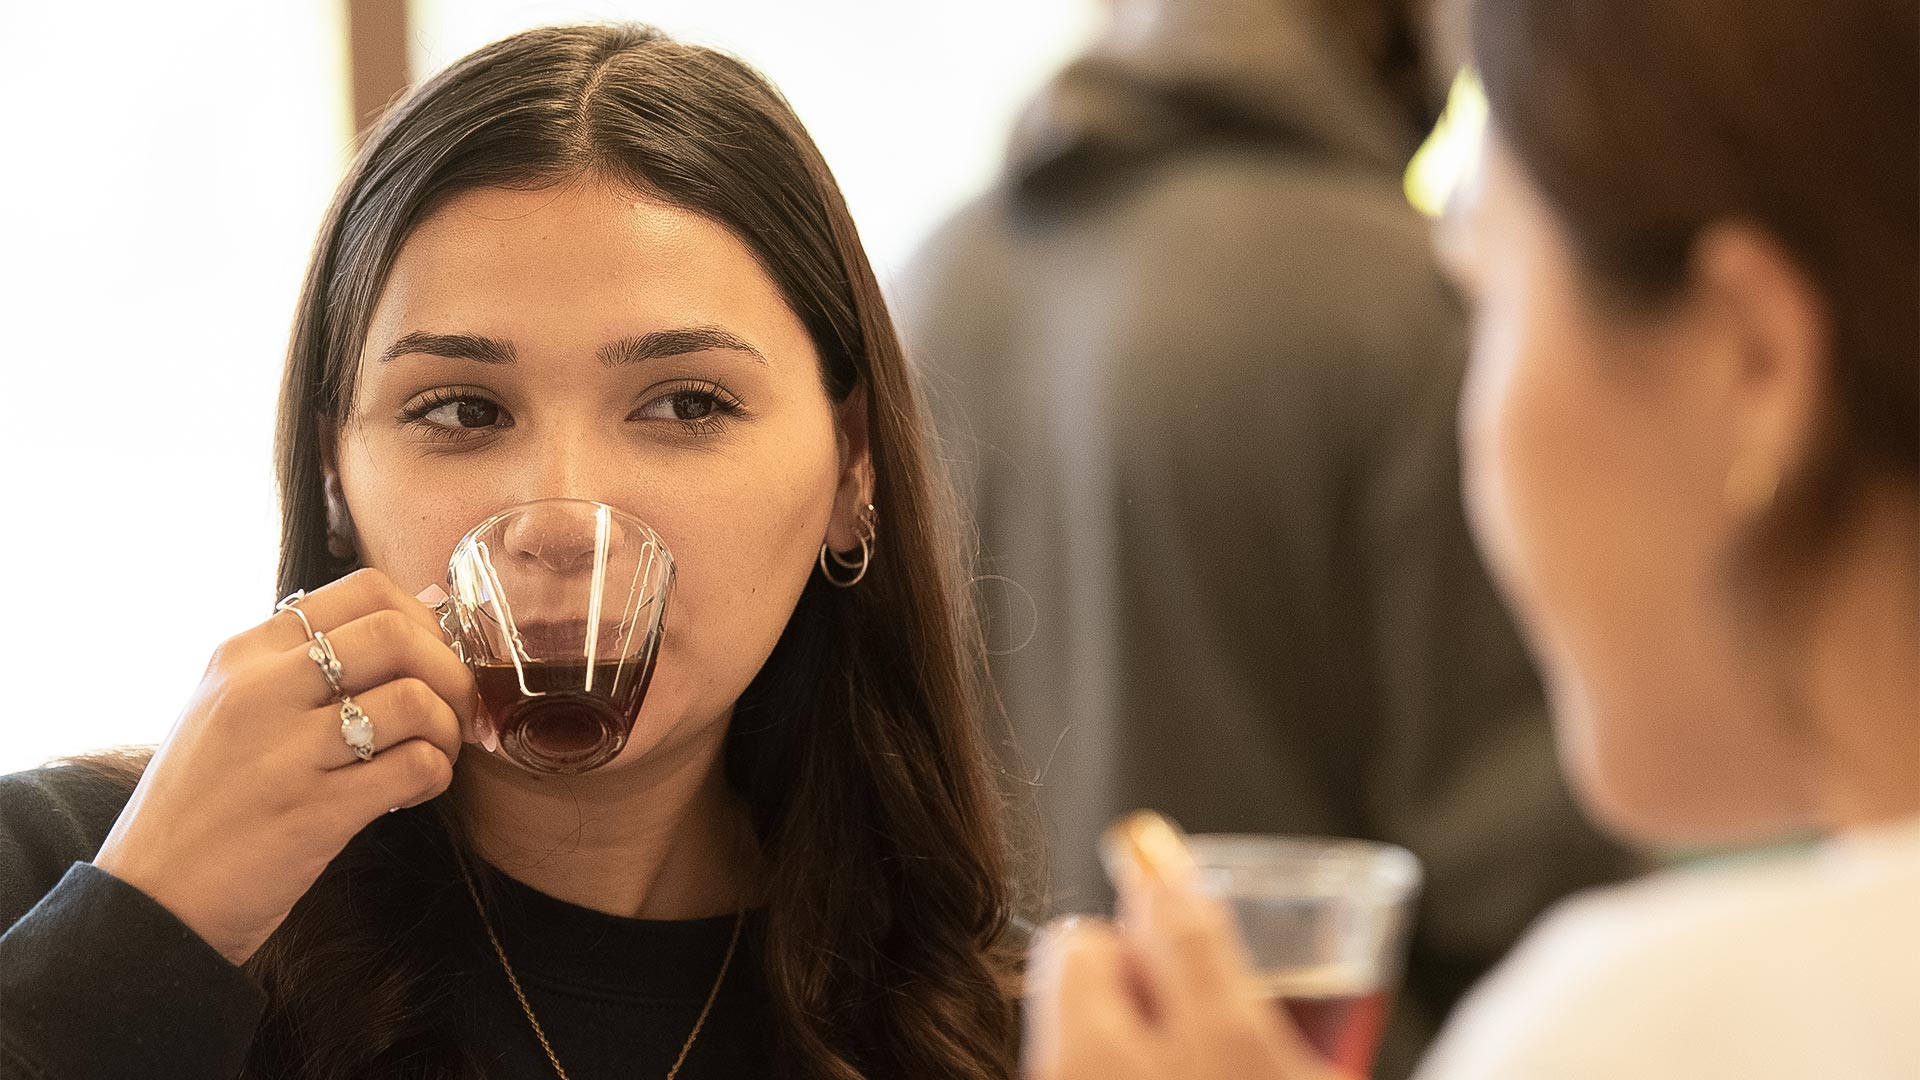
1643 121
857 747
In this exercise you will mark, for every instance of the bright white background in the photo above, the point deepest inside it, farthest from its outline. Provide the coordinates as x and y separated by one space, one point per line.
165 170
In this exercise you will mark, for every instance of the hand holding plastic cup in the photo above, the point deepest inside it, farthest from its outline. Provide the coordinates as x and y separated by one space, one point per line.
1325 920
558 607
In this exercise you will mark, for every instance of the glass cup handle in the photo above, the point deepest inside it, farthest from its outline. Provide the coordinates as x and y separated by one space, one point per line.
447 611
452 620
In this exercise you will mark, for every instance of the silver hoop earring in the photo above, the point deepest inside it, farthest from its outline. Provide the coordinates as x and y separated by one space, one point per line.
858 566
869 533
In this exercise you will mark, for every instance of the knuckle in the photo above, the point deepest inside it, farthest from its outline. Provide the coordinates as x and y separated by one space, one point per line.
390 628
217 685
226 655
405 759
230 694
415 696
447 725
428 768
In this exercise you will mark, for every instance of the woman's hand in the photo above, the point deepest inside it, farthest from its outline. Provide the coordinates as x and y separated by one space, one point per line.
1166 994
255 791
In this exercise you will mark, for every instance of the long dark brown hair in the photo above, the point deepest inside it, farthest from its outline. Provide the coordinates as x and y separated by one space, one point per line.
1644 121
857 747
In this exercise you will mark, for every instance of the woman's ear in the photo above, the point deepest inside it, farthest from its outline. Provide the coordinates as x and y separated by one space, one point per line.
343 542
855 490
1781 370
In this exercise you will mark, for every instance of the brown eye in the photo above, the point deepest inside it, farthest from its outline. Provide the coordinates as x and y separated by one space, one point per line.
686 405
701 409
692 406
464 413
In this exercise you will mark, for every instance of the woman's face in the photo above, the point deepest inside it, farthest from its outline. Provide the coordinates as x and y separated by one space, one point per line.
586 342
1597 443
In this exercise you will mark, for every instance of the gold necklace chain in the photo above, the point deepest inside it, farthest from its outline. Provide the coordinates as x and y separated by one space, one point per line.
541 1034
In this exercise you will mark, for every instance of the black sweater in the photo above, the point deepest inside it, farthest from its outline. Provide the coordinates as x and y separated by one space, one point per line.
97 980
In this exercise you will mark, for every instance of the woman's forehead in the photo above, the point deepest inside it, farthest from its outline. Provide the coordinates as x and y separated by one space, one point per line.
577 236
588 260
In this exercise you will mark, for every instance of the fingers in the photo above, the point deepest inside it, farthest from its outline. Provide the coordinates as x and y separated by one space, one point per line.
1200 980
406 774
359 594
400 710
379 648
1188 945
1083 1016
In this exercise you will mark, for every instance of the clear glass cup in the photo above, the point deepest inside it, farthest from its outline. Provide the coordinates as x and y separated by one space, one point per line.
558 608
1326 923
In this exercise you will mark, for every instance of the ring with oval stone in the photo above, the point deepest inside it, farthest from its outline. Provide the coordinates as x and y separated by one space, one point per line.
356 727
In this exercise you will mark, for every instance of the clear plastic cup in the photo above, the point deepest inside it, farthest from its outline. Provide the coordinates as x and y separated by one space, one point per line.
1326 922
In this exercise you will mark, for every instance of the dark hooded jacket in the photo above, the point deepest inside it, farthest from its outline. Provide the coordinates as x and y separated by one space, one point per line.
1197 374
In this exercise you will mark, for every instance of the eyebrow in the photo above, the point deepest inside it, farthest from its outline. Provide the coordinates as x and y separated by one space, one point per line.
691 339
485 350
626 350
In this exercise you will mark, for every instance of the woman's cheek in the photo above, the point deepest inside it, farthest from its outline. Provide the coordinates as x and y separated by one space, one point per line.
1488 450
740 568
1522 430
402 526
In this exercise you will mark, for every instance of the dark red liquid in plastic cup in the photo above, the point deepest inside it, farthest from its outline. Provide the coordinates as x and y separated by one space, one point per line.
1340 1017
560 726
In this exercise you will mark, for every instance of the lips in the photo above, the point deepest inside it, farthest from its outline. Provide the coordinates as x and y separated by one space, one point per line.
568 637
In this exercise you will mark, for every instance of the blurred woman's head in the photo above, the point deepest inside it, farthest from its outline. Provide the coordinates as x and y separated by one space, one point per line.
1690 425
594 262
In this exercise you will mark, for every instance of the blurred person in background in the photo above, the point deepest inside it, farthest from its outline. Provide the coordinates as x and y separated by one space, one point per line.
1199 368
595 263
1691 236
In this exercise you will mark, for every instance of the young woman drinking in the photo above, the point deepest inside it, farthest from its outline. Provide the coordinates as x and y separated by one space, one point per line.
584 263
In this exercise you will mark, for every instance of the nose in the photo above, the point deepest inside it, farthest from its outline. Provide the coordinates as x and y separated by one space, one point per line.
566 458
557 538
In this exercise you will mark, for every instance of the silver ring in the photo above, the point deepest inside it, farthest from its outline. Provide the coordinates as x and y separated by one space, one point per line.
291 602
321 653
356 727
